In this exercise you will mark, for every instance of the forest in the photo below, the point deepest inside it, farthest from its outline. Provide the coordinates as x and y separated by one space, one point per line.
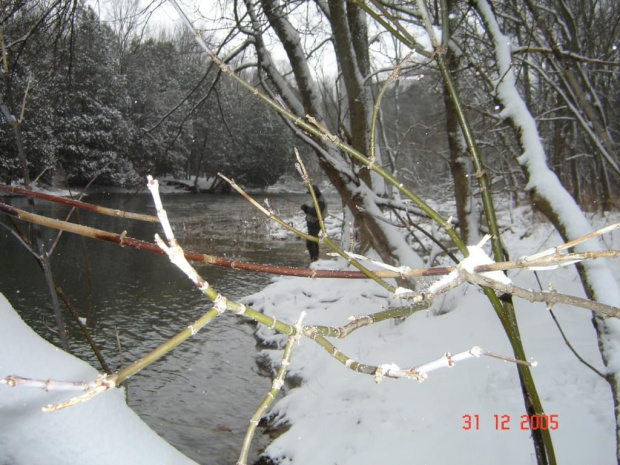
97 108
400 107
106 95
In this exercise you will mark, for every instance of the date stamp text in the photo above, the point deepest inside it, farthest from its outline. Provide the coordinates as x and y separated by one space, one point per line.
474 422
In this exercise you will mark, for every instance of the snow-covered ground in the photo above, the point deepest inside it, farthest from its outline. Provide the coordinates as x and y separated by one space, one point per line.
101 431
471 413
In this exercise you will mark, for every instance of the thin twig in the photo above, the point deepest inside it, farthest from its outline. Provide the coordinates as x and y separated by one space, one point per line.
362 321
84 330
550 298
48 384
276 385
23 109
566 341
572 349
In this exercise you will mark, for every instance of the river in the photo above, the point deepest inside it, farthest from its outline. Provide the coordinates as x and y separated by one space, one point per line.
201 396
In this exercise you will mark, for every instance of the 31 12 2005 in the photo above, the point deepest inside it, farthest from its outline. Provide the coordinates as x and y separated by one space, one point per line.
504 422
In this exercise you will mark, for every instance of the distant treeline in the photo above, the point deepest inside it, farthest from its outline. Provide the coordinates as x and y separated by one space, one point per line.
95 106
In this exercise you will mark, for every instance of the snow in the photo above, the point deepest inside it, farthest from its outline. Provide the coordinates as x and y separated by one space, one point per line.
101 431
541 178
602 282
477 256
341 417
337 416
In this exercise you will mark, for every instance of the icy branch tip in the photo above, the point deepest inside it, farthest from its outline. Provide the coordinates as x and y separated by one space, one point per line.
484 240
299 326
477 351
388 369
402 292
300 320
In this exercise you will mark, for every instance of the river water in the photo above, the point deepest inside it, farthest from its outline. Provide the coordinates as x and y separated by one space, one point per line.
201 396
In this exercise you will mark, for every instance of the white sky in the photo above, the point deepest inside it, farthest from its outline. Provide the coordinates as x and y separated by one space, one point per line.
214 18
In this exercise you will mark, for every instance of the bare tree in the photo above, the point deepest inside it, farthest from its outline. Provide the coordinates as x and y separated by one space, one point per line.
350 46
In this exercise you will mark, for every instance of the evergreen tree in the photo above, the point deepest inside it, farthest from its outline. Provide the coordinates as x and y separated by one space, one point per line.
90 128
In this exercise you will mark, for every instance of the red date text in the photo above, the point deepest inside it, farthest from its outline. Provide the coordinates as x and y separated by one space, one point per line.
503 422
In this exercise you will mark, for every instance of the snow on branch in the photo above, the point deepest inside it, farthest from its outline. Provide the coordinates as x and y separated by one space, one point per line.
173 249
91 388
478 268
556 251
390 370
447 360
49 384
541 179
477 257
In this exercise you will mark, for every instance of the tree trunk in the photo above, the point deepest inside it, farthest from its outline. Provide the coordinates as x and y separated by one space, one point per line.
554 201
349 41
353 182
459 164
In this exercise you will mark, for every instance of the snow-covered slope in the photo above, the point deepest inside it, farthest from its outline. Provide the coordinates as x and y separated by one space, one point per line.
471 413
101 431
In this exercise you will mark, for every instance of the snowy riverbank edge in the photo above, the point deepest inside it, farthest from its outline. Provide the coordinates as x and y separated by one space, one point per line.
471 413
101 431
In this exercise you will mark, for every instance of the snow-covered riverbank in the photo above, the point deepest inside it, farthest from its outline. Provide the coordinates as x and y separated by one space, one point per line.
471 413
101 431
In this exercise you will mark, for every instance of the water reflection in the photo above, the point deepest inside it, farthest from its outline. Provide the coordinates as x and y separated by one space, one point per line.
201 396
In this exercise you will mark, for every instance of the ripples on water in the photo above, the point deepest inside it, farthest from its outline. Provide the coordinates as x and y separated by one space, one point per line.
201 396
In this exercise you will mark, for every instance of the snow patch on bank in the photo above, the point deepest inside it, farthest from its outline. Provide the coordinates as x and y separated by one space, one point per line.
341 417
101 431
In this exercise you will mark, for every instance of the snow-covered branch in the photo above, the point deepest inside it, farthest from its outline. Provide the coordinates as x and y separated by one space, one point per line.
447 360
390 370
478 268
570 220
48 384
549 297
276 385
90 388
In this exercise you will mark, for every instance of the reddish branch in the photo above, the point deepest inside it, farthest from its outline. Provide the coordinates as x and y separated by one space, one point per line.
79 204
126 241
